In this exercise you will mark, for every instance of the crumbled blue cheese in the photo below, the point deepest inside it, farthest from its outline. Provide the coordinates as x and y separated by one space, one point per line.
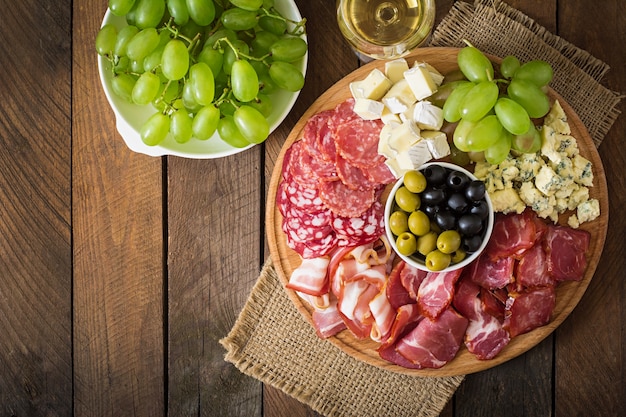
557 119
582 171
507 201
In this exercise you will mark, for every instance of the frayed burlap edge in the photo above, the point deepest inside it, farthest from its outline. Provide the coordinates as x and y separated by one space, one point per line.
500 30
272 342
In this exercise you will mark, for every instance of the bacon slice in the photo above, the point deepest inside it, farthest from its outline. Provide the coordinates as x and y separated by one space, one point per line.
328 321
310 277
566 248
528 310
436 292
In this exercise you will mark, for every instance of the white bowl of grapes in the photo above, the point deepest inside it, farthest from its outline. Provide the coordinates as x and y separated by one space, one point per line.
200 78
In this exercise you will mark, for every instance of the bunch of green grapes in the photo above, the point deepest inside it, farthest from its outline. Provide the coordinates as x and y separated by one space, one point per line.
495 115
205 65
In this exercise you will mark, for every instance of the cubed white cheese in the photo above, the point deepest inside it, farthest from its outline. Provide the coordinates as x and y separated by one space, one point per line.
437 143
373 87
399 98
383 141
419 154
402 137
394 70
435 75
420 81
368 109
393 166
388 117
404 161
427 115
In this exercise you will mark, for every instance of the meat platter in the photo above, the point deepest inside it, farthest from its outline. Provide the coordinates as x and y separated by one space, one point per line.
568 294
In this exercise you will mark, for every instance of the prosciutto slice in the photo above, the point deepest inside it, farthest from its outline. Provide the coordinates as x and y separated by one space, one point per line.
512 235
492 274
436 292
532 269
566 248
528 310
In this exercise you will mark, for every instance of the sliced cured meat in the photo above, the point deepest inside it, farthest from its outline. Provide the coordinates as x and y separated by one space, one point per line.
411 278
308 170
512 235
528 310
384 316
532 269
313 248
396 292
353 177
344 113
566 248
306 199
491 274
303 226
433 343
493 302
380 172
343 201
310 277
485 337
436 292
356 231
353 305
464 296
313 129
357 141
328 322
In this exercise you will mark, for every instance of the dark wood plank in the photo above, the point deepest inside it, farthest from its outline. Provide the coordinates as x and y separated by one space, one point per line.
118 250
35 214
590 367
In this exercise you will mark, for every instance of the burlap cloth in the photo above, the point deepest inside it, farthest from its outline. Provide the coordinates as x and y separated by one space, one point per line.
273 343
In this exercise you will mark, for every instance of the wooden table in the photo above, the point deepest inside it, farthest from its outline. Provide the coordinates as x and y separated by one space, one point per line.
120 272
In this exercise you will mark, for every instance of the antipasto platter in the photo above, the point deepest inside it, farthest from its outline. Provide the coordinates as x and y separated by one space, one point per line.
568 294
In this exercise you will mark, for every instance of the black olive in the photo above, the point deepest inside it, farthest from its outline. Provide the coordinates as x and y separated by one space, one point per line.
470 224
481 209
433 196
430 210
457 180
475 190
458 203
435 175
472 243
445 219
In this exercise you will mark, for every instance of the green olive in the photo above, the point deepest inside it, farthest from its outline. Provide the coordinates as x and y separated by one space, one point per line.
407 200
437 260
419 223
398 222
427 243
458 256
415 181
406 243
449 241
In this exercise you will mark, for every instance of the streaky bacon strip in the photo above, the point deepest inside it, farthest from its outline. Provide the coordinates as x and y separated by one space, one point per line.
328 322
384 315
310 277
436 292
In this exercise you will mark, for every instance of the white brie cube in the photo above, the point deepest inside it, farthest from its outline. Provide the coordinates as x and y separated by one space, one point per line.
373 87
399 97
394 70
388 117
436 75
420 154
437 143
404 162
395 169
427 115
420 81
402 137
383 141
368 109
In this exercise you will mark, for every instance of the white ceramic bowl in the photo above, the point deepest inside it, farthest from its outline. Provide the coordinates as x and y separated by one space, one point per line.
130 117
417 261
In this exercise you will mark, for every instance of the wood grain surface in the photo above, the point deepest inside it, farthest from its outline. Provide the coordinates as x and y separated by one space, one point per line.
120 272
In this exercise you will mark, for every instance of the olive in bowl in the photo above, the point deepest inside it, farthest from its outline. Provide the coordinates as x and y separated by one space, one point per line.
438 217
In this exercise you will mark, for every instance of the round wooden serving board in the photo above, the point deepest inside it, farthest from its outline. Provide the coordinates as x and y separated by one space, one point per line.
285 260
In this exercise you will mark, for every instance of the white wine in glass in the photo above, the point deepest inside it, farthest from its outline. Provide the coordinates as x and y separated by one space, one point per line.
385 29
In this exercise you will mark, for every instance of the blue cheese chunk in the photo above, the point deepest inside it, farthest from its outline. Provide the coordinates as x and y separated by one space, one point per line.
507 201
582 171
540 203
557 119
549 144
547 181
588 210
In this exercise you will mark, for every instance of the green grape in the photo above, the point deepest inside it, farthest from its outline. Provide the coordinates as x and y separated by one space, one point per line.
105 40
266 84
529 142
458 156
136 66
263 103
262 42
452 106
461 132
227 108
508 66
512 116
260 67
178 10
175 60
221 33
238 19
230 134
153 60
146 88
474 64
122 64
123 37
268 4
148 13
205 122
251 123
222 81
121 7
286 76
439 97
202 82
155 129
479 101
231 56
213 58
244 81
189 98
530 97
273 25
201 11
122 85
144 42
537 72
180 126
251 5
484 134
288 49
498 152
168 93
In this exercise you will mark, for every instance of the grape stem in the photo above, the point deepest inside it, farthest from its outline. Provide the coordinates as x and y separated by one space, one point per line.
299 27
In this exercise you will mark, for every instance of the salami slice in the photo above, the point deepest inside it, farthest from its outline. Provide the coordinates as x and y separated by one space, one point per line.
314 249
380 173
304 226
343 201
306 199
357 141
354 177
356 231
